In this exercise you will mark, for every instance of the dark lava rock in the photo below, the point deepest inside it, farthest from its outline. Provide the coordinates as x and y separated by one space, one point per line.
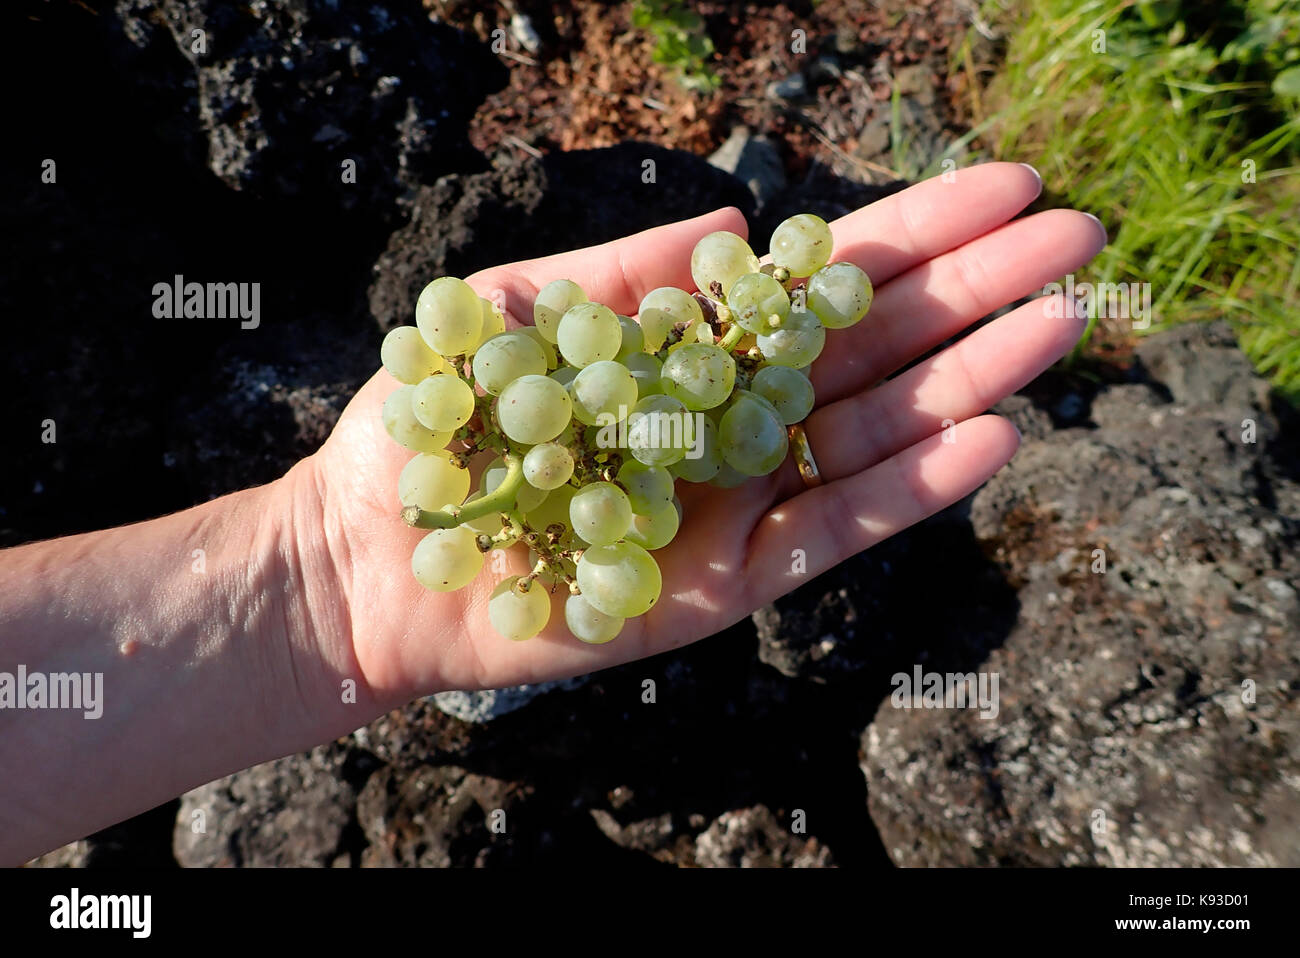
755 161
169 412
436 817
929 595
753 838
744 838
524 207
722 765
1147 712
293 811
285 91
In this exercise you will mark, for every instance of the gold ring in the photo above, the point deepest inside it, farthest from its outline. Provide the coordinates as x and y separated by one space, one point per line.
803 457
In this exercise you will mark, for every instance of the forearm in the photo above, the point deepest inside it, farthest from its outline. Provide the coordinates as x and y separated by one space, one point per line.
210 662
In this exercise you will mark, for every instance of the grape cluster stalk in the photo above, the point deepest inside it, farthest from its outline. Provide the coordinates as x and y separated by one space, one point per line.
590 418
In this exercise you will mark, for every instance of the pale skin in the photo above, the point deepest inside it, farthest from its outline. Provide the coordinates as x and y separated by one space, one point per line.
306 590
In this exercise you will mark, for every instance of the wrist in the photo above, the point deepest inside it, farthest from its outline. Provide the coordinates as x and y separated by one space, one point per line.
314 690
207 658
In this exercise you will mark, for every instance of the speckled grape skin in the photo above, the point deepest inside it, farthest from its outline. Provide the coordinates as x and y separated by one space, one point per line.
722 257
840 295
802 244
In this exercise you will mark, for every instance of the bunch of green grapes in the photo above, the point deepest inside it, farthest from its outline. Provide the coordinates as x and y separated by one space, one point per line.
590 418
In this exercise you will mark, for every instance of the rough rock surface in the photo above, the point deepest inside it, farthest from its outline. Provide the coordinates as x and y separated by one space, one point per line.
753 838
291 812
479 707
284 92
436 817
753 160
524 207
1148 714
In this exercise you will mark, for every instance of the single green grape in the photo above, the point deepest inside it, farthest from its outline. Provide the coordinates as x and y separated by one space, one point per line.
533 409
699 376
839 295
663 308
633 341
802 244
588 624
656 529
446 559
659 430
444 402
600 513
589 333
518 615
789 390
621 579
752 437
797 342
431 480
703 458
553 301
408 358
400 423
602 393
548 466
506 357
647 487
449 316
755 300
723 258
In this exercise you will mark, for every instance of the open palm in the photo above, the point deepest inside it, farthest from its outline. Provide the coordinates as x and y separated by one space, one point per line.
941 254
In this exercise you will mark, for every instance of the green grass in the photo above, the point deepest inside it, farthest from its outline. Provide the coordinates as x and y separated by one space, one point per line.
681 41
1155 135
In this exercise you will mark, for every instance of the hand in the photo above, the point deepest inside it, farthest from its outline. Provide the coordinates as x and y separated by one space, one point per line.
941 256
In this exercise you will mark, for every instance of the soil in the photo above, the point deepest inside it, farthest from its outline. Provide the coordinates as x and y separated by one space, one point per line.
593 81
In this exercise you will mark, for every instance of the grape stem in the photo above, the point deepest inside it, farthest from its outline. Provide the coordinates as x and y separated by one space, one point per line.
500 499
734 335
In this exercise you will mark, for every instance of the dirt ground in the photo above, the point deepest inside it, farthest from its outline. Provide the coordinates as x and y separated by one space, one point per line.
592 80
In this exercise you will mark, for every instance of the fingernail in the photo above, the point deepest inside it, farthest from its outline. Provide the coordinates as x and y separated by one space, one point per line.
1101 226
1037 175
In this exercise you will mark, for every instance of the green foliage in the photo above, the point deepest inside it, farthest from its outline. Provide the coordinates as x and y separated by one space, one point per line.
1177 124
681 41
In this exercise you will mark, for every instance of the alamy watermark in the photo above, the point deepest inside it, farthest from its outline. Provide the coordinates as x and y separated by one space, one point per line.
55 690
953 690
651 430
1131 301
75 911
181 300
